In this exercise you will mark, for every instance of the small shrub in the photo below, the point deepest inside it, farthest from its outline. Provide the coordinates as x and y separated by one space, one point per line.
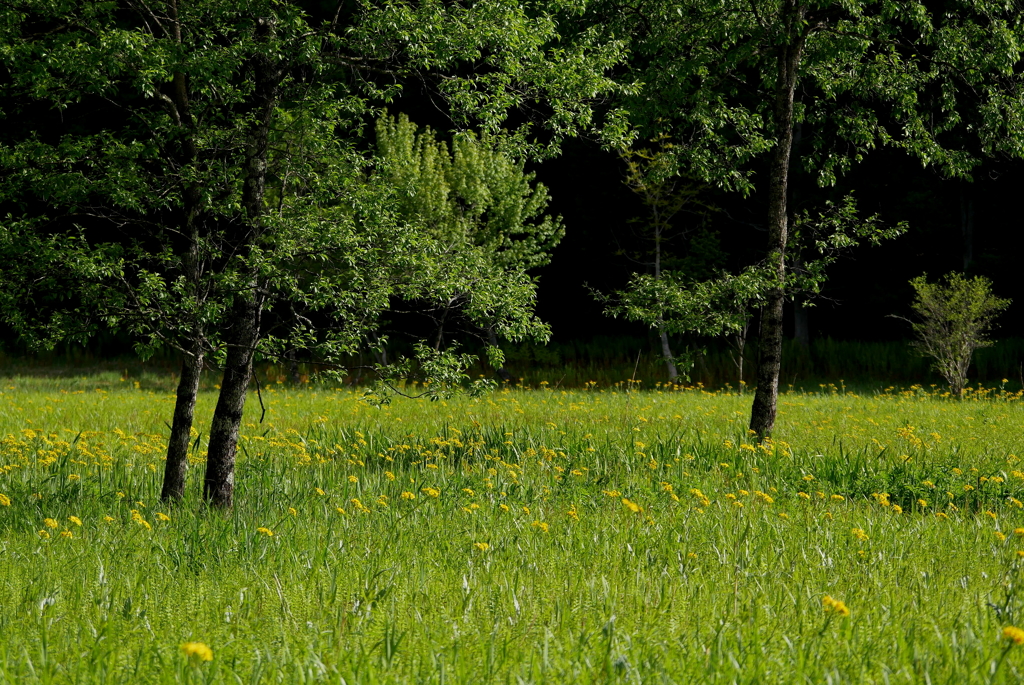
953 318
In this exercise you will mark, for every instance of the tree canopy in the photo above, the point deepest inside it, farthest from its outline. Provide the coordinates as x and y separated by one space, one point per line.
197 174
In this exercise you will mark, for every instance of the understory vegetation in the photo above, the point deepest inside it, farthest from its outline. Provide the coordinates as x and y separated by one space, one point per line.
537 535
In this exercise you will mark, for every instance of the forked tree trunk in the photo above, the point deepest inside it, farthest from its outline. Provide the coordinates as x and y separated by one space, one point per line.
181 429
219 483
766 396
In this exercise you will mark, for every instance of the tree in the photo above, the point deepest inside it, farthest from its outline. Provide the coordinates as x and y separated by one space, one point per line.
665 195
953 318
199 175
471 194
729 80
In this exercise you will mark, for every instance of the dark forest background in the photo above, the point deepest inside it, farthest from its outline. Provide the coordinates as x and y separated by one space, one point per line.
970 227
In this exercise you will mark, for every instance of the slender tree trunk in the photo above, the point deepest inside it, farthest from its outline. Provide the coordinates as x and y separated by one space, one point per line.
219 483
739 344
764 408
181 428
666 352
666 349
243 322
176 468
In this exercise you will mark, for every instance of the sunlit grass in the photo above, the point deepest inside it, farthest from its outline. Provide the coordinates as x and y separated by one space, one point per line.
596 535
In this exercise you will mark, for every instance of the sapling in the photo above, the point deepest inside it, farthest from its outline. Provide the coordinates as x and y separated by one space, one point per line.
954 317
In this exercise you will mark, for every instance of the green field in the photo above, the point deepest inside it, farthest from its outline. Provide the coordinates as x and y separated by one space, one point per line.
529 535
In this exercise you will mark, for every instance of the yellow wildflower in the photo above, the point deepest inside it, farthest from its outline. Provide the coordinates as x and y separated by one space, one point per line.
291 510
838 606
266 531
353 479
482 546
433 492
197 651
803 495
1014 634
66 534
162 517
408 495
1000 535
44 535
5 501
543 526
859 534
504 508
75 520
50 523
632 506
838 498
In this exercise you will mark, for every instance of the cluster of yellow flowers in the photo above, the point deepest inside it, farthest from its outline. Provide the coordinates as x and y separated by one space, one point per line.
834 605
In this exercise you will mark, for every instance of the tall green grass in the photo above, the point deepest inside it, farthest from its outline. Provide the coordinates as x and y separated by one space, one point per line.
600 535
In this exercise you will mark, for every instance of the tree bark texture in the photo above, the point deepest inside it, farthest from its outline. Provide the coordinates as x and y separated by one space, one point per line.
219 483
763 411
243 324
181 429
176 468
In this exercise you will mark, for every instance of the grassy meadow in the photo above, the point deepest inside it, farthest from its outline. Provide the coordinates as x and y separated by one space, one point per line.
606 534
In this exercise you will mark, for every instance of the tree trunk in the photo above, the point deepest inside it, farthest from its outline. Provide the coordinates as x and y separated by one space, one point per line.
181 429
739 344
243 323
764 408
666 352
219 484
191 364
